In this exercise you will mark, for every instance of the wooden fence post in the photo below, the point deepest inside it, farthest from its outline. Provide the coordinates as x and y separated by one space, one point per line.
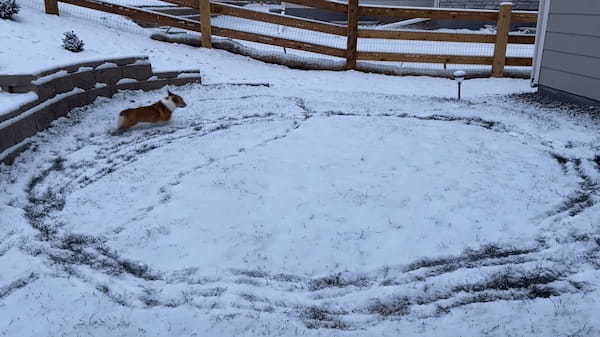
205 23
502 30
51 6
352 34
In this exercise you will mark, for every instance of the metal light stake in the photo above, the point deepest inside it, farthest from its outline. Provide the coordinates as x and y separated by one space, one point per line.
459 77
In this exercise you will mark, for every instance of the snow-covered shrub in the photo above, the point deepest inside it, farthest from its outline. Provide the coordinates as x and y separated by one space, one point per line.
8 8
72 43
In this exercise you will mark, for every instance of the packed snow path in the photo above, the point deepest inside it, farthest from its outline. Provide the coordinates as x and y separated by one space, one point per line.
270 211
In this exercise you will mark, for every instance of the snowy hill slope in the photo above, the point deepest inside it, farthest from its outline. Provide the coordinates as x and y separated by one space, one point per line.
336 204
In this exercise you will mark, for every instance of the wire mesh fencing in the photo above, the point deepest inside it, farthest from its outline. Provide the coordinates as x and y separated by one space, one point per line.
297 56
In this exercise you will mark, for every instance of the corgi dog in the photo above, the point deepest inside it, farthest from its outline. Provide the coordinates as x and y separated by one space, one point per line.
160 111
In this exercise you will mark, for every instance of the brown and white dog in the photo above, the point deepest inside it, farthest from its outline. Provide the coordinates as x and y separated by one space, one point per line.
160 111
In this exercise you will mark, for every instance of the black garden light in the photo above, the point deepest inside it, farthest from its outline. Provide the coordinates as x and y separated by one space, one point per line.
459 77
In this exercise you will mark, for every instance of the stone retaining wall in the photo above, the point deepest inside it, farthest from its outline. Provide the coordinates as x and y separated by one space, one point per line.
61 89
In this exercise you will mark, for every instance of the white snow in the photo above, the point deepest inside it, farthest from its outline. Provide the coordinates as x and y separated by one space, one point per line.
10 102
187 75
106 65
46 103
101 42
140 62
50 77
126 80
326 204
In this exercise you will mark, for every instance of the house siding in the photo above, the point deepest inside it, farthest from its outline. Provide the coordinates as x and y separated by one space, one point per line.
571 54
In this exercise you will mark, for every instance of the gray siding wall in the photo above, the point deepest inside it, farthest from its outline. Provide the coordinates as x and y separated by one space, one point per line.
491 4
571 56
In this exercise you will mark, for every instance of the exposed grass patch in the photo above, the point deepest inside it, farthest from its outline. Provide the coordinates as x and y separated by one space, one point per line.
493 251
317 318
508 279
469 258
18 284
399 306
597 161
562 161
583 198
338 281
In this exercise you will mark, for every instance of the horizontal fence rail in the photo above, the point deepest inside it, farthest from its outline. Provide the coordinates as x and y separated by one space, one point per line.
443 14
445 59
334 6
351 31
280 42
440 37
313 25
137 14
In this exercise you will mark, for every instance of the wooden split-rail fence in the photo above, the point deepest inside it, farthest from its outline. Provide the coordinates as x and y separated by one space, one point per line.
503 18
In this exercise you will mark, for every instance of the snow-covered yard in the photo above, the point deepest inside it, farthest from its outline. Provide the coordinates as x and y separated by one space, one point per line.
324 204
121 25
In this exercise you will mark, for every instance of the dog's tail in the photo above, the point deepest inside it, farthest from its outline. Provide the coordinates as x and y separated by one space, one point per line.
121 121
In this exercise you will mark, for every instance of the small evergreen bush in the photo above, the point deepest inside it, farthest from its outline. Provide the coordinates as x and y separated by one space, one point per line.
8 8
72 43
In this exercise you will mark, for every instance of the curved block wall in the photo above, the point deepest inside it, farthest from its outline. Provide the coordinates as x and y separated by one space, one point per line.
61 89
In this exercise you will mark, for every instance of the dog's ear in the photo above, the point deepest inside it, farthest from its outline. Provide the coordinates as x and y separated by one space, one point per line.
170 93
